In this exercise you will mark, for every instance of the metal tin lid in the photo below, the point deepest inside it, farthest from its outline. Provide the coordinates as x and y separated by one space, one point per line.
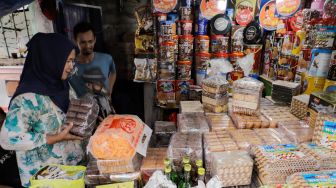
220 24
252 33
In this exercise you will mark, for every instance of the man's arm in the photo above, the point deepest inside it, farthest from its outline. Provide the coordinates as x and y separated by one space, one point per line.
112 79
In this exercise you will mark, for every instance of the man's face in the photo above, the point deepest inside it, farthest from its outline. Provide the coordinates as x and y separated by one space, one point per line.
86 42
95 87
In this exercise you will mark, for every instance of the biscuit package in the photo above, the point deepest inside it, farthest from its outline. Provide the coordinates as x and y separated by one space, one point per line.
246 96
233 168
152 162
83 114
219 122
275 162
215 94
276 114
313 179
325 156
296 131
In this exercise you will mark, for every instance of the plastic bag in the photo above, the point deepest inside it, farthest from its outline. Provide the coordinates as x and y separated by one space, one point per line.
182 144
191 107
246 96
276 114
313 179
192 123
83 114
249 122
276 162
116 138
59 176
163 130
296 131
215 84
93 176
153 162
233 168
219 67
119 166
272 136
246 138
214 95
145 70
159 180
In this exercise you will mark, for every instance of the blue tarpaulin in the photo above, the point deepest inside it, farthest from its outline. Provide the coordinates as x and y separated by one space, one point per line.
9 6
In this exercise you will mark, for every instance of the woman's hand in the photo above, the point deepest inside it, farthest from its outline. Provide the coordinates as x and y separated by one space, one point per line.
63 135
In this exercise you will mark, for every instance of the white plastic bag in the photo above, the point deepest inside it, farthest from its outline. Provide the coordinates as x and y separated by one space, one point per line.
159 180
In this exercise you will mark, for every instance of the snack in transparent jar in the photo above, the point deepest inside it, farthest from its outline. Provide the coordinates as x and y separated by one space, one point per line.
246 95
276 162
325 156
312 179
297 131
219 122
233 168
192 123
245 138
182 144
152 162
83 114
163 130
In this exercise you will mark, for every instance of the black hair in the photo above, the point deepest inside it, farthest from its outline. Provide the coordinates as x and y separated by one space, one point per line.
82 27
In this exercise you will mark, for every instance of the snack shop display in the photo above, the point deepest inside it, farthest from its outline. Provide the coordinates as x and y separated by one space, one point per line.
276 162
296 131
219 122
233 168
325 156
249 122
182 144
152 162
312 179
272 136
192 123
246 96
163 130
299 106
83 114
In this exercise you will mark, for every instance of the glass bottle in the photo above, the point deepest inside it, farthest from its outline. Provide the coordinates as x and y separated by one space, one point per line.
186 183
167 172
173 173
201 174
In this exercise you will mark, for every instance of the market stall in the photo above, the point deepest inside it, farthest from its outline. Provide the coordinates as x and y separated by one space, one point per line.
244 93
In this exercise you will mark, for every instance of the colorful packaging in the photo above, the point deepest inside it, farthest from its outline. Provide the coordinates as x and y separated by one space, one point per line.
298 42
313 179
201 26
237 39
287 8
166 91
202 44
210 8
184 70
219 43
184 27
267 17
320 63
202 60
164 6
244 11
186 44
182 89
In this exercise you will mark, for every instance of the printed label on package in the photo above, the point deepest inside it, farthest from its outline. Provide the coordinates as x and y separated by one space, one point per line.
329 135
327 179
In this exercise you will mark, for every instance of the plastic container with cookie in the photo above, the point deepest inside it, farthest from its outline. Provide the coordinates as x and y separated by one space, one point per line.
246 96
192 123
245 139
277 114
296 131
249 122
219 122
153 161
234 168
272 136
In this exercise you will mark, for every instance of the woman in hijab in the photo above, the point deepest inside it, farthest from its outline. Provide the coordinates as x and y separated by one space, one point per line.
34 126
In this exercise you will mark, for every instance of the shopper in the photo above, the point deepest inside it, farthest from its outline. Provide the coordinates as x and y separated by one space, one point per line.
34 124
85 38
94 81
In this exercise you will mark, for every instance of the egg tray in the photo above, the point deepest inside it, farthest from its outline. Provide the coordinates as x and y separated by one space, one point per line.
219 122
249 122
299 179
299 106
275 163
245 138
325 156
320 136
234 168
192 123
277 114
